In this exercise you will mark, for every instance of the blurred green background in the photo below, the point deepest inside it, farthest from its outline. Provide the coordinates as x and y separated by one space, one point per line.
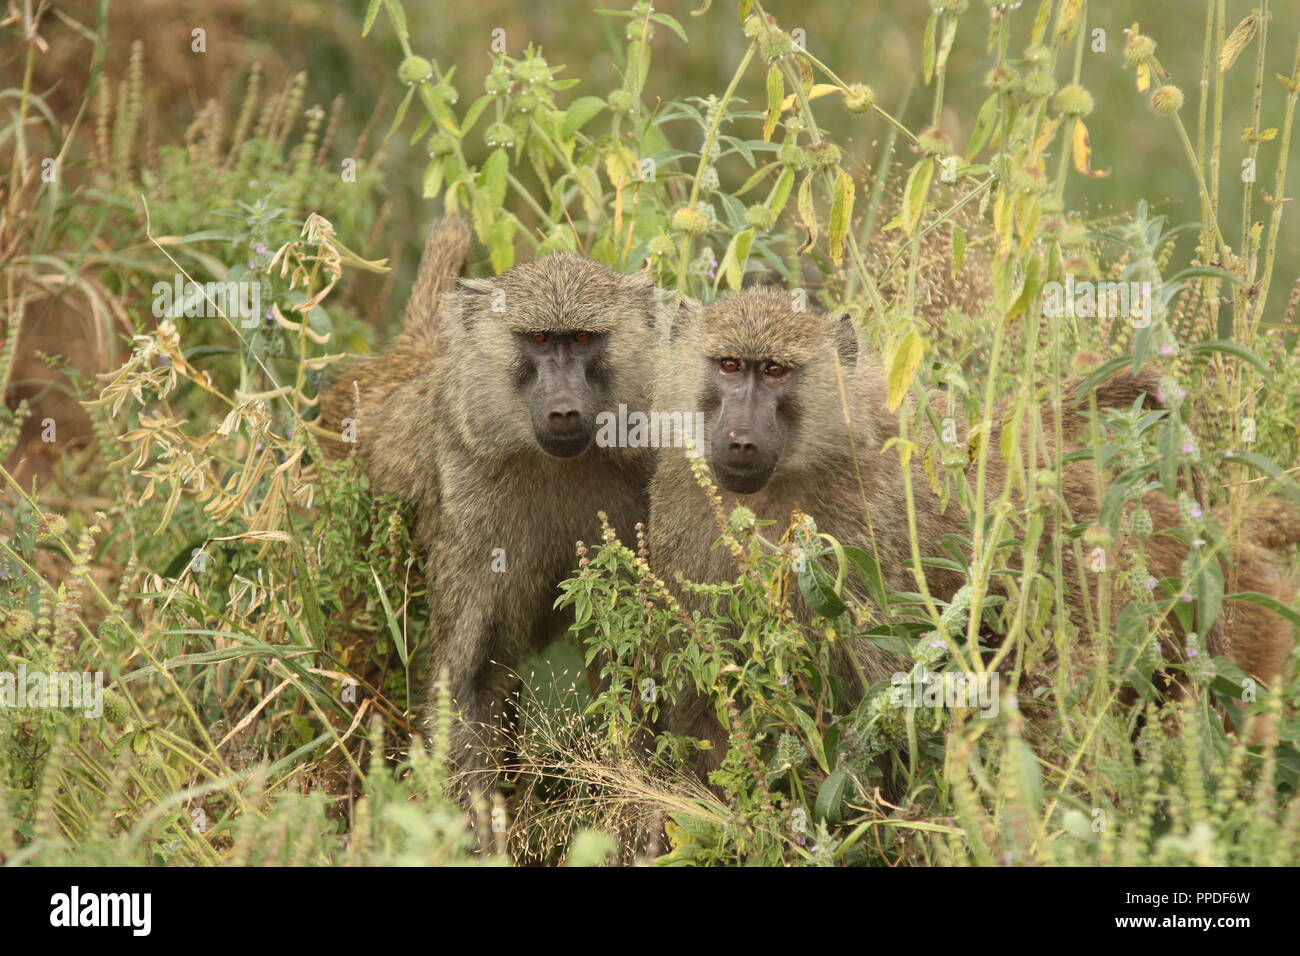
872 41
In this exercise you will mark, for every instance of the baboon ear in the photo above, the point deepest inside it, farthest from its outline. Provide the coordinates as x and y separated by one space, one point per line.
846 340
470 297
674 313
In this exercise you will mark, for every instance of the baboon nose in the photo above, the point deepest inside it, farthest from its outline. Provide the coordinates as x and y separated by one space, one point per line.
741 446
564 419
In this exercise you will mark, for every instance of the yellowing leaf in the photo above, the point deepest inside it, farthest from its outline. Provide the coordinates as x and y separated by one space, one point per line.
1083 152
1144 77
1238 40
1068 18
904 361
918 185
818 90
841 215
807 214
733 262
775 93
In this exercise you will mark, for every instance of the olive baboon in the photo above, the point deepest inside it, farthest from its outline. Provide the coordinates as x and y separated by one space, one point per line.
482 415
768 383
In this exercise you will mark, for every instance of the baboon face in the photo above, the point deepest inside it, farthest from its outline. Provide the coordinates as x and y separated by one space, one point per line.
559 372
755 409
541 351
763 368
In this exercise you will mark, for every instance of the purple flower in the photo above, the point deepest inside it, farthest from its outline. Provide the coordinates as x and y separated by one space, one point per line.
1151 583
1166 350
1188 448
261 250
938 644
1196 511
1191 652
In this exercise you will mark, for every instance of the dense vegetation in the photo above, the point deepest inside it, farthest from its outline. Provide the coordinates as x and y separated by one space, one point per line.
169 521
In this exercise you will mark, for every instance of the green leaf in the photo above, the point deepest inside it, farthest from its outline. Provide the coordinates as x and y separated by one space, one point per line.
372 11
1209 595
814 737
1233 349
580 112
473 113
401 111
958 249
831 796
1264 601
755 178
984 123
671 24
1260 463
432 179
493 178
918 185
399 640
397 14
781 192
818 592
868 569
927 48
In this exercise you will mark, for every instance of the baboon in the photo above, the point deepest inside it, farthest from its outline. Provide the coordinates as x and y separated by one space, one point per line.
769 384
482 415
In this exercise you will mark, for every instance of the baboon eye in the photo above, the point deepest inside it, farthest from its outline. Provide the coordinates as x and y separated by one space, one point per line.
774 369
582 336
729 365
538 337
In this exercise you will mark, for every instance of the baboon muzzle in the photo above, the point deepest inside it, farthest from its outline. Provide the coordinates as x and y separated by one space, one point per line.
564 422
747 443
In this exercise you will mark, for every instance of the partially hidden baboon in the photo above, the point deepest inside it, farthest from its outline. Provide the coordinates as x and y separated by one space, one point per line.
483 416
768 380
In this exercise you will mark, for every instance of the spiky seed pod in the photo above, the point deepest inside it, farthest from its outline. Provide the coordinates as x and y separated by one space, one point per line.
1039 84
1003 78
1073 100
775 46
498 80
1138 49
759 217
499 134
1167 100
823 155
859 98
414 69
441 144
792 155
932 143
690 220
661 245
